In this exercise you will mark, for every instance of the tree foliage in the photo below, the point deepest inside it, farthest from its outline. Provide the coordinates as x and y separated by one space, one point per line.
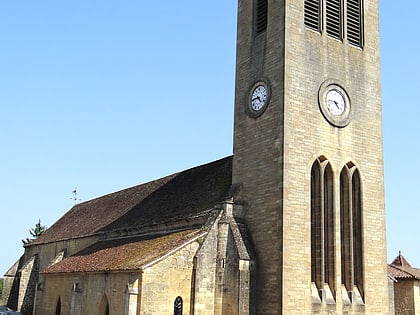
35 232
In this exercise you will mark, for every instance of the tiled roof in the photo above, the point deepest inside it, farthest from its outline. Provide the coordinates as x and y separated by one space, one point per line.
400 269
400 261
123 254
180 196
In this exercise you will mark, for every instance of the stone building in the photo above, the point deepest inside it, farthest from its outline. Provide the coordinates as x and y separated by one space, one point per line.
406 286
292 223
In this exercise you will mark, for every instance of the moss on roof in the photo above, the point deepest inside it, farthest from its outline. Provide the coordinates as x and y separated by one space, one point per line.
123 254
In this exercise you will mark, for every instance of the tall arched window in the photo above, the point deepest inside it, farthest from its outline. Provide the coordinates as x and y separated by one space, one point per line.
178 306
58 307
322 225
351 229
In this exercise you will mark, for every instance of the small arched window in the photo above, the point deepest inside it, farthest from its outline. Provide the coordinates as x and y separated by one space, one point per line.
178 306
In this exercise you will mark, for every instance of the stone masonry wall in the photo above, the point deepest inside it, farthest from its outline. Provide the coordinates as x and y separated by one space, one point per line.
273 153
164 281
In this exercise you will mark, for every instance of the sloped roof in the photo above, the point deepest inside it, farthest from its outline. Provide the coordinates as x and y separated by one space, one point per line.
123 254
400 261
183 195
400 269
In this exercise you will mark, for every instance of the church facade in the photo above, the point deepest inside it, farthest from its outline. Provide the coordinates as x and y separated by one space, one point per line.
292 223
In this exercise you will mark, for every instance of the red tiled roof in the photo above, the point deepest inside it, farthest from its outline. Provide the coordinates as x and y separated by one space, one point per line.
400 269
183 195
123 254
400 261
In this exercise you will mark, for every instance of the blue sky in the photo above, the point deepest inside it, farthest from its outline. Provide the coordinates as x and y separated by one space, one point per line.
101 96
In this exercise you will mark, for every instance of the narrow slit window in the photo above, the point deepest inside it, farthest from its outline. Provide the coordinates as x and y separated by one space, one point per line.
334 18
312 14
261 20
354 22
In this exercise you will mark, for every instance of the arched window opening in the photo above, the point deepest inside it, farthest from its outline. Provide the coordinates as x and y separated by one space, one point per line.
104 306
357 233
178 306
58 307
351 231
322 226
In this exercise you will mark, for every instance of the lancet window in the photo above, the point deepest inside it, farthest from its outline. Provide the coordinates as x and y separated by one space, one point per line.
322 225
351 230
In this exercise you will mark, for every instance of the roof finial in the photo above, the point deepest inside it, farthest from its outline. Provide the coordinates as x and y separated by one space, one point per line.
74 198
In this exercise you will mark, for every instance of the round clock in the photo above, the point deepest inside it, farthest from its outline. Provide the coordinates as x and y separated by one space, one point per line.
258 99
334 103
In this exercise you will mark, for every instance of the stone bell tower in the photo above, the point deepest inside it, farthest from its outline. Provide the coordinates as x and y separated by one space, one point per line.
308 154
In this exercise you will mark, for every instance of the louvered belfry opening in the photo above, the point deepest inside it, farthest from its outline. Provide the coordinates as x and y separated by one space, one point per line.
312 14
261 18
340 19
333 18
354 22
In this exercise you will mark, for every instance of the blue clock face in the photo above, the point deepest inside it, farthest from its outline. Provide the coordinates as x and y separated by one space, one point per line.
259 98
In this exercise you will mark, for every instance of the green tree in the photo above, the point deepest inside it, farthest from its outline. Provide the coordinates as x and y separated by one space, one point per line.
35 232
1 286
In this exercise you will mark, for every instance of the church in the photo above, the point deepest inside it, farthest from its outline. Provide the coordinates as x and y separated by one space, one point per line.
292 223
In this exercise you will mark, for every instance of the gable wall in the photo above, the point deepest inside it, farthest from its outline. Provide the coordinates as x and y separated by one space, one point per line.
47 252
168 279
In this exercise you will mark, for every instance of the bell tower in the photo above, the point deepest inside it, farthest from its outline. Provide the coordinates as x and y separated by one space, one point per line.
308 154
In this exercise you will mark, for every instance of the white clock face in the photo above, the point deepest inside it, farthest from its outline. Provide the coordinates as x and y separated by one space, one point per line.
335 102
259 98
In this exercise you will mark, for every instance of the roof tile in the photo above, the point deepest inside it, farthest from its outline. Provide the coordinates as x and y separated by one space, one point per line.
123 254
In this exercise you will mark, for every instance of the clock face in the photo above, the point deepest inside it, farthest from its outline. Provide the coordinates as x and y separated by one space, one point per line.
335 102
259 98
